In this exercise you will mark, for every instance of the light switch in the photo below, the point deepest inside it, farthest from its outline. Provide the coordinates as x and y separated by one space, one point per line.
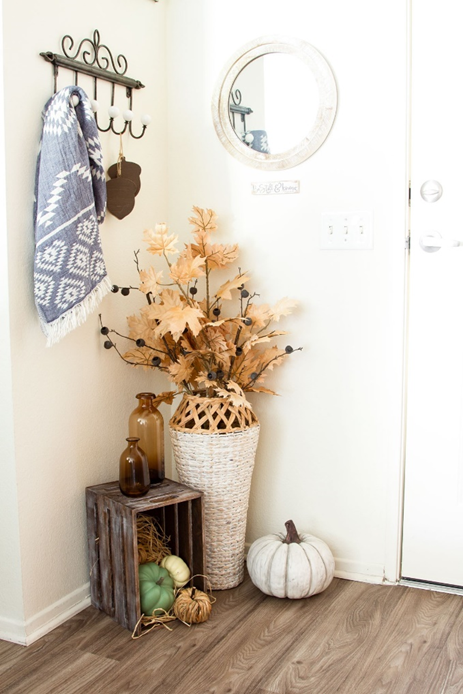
347 231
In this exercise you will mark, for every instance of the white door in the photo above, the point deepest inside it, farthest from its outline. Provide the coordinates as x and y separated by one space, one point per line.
433 502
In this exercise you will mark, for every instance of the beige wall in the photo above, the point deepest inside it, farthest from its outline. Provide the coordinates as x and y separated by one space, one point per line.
11 603
329 455
71 401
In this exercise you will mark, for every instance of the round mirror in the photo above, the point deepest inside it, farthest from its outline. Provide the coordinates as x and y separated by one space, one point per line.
274 103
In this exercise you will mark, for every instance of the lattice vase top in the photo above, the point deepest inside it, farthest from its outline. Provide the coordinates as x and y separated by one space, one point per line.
202 415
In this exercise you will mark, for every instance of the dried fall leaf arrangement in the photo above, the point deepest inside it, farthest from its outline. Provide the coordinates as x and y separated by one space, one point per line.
200 350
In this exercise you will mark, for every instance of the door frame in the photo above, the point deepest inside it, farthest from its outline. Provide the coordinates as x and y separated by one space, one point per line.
395 510
395 503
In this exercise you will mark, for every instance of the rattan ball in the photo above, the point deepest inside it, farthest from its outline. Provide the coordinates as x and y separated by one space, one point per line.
192 606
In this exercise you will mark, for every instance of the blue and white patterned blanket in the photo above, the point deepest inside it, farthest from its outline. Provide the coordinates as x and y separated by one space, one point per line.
70 276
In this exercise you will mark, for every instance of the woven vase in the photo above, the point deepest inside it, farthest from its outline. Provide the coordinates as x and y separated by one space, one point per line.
214 445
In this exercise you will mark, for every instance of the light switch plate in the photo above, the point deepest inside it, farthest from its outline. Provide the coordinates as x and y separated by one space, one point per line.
347 230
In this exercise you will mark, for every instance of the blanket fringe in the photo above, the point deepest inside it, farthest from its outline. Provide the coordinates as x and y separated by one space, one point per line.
77 315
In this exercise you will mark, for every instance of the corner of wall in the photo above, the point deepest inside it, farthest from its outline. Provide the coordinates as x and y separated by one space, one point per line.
11 598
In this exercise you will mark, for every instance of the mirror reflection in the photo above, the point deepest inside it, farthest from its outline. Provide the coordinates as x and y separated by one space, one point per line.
274 103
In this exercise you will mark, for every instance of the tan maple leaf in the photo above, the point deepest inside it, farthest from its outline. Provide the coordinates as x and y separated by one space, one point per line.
256 339
141 326
246 375
215 323
260 389
203 220
224 292
174 315
159 241
141 356
270 336
204 381
253 340
192 317
258 314
219 256
150 281
236 397
282 308
271 357
216 341
202 246
234 387
181 370
167 397
187 268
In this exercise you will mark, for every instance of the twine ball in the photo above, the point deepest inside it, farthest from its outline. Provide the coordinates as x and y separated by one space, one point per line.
192 606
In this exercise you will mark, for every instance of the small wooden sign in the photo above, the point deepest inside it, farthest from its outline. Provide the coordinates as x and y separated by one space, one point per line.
275 187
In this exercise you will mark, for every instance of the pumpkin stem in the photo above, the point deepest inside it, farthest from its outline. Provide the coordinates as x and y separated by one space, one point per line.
291 533
193 593
160 580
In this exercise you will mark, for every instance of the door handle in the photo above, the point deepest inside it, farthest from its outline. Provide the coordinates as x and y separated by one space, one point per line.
433 241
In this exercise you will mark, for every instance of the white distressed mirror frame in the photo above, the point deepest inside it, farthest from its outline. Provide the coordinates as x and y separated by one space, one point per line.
323 121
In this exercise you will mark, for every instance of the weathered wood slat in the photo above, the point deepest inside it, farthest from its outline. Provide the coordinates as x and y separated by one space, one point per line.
171 527
185 533
116 542
93 549
167 492
129 535
106 585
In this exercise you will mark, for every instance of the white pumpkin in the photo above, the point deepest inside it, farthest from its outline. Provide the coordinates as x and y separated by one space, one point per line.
290 566
177 568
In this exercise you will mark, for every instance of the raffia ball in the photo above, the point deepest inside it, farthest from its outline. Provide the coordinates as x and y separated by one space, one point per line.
192 606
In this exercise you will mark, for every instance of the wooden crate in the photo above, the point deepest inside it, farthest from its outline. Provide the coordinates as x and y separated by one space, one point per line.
112 541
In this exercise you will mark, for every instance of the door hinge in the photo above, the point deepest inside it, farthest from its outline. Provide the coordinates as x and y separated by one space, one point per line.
409 193
407 243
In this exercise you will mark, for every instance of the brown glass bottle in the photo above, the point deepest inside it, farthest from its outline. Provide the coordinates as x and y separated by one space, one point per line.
146 422
134 477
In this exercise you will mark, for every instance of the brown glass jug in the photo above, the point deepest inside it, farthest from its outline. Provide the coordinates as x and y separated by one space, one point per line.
134 477
147 423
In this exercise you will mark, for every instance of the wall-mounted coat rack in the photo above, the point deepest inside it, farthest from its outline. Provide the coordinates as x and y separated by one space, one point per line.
98 62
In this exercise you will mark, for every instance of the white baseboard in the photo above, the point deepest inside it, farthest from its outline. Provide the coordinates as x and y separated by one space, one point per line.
357 571
26 632
12 630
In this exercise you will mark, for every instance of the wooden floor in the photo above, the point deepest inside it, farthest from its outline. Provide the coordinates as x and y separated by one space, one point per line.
352 639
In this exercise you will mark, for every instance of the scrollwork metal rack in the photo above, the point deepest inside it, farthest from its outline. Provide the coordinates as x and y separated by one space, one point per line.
98 62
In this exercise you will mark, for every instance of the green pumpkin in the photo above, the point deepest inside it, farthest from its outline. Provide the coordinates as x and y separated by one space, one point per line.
156 588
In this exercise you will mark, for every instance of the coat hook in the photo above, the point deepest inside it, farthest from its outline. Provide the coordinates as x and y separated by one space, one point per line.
98 62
